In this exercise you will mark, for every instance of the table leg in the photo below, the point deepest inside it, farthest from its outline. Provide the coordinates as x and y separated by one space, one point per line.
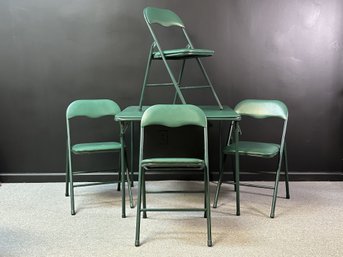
220 147
237 170
132 151
122 167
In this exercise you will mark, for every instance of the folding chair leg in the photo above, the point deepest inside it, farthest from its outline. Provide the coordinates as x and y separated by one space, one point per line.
275 191
128 181
176 85
72 202
67 176
233 173
132 205
146 76
205 196
139 202
208 208
119 175
144 195
286 173
209 82
67 184
220 181
180 79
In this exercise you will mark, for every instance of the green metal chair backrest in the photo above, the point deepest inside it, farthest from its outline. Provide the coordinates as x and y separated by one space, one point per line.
164 17
174 115
261 109
94 108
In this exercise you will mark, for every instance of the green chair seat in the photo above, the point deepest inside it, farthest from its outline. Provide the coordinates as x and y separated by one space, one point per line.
257 149
173 163
96 147
183 53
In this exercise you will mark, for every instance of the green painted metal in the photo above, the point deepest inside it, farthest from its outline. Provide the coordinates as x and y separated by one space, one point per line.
259 109
257 149
173 162
168 18
95 147
92 108
172 116
164 114
180 79
174 191
172 209
133 113
286 171
131 150
161 16
237 167
93 184
183 53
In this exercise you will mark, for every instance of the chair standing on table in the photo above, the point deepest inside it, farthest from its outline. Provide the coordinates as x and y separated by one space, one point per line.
94 108
167 18
261 109
172 116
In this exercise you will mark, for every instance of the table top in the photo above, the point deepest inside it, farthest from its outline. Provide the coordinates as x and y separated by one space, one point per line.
212 112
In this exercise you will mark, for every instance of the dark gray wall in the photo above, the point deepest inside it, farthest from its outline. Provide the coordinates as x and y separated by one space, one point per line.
52 52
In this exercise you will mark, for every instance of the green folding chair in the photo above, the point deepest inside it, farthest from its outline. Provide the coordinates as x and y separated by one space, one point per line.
95 108
167 18
173 116
260 109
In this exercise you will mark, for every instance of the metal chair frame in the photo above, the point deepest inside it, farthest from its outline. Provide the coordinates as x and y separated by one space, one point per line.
259 109
167 18
93 108
172 116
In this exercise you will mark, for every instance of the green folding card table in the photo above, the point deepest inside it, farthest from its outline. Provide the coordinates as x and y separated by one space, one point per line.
132 114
